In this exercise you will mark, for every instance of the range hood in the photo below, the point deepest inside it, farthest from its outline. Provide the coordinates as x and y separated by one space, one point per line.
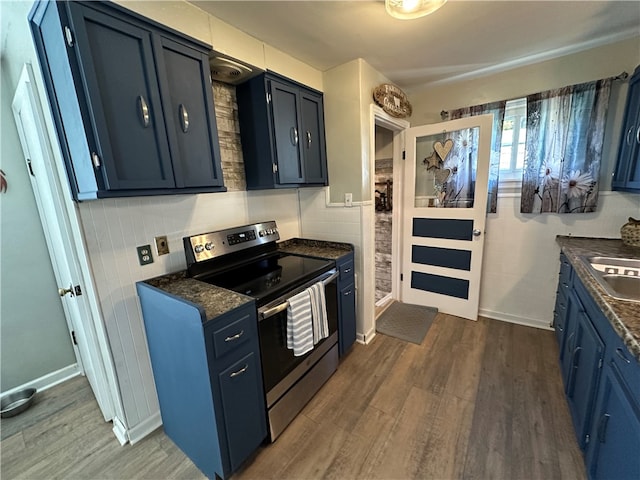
229 70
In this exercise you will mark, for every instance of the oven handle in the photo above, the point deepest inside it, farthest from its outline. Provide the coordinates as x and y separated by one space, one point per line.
270 312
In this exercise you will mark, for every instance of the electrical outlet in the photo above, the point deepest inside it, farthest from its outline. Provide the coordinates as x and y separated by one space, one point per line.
145 257
348 199
162 245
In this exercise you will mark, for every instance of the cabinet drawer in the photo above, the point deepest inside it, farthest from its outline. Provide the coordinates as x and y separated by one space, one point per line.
346 270
231 335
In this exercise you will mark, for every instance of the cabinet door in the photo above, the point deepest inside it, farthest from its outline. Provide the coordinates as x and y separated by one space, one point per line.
586 363
243 408
313 143
627 173
572 316
614 450
119 75
190 115
284 101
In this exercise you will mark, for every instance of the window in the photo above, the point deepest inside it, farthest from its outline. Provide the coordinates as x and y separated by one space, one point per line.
514 137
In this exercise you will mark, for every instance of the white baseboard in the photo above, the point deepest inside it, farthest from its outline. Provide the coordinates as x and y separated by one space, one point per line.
506 317
384 300
144 428
49 380
366 338
120 431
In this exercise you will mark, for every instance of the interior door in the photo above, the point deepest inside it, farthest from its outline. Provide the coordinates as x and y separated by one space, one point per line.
46 188
445 202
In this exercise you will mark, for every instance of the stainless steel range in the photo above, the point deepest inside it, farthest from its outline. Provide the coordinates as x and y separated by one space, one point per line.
247 260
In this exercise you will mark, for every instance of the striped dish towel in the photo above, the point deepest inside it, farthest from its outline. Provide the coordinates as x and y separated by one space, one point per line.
299 324
318 312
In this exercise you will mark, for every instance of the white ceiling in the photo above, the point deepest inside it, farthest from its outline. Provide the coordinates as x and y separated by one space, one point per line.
462 39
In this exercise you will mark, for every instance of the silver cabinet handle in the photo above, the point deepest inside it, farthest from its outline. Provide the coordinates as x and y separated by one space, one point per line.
308 139
234 337
629 133
621 354
239 372
602 427
638 135
144 111
293 135
184 118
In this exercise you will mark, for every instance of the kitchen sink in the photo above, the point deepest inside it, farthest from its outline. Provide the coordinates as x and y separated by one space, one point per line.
619 277
625 285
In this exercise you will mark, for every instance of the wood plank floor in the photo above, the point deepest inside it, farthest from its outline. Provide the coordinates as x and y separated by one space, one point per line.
476 400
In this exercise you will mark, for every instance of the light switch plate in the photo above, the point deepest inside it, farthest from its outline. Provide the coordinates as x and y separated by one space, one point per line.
145 257
162 245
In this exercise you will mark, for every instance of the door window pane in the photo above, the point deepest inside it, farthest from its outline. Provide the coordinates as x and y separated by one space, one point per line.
446 166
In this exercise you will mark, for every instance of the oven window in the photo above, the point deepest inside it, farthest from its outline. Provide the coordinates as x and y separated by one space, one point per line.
277 360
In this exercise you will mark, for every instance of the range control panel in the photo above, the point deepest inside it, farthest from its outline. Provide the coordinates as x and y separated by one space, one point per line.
214 244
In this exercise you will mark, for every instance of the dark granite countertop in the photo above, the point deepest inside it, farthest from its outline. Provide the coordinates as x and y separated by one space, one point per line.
623 315
315 248
214 300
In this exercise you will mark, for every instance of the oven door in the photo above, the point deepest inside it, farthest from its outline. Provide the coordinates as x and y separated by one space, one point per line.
280 368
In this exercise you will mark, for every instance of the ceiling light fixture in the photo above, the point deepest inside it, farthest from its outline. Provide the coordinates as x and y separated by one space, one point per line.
409 9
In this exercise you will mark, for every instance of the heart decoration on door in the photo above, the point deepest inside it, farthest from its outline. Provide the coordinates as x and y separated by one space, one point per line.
443 150
441 176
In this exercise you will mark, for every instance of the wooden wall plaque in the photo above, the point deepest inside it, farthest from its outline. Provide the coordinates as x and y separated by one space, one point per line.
392 100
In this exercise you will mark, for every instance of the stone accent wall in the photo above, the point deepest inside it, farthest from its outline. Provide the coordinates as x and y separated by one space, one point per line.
383 173
224 97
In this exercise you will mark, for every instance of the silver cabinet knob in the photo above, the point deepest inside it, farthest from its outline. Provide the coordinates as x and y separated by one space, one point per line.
476 232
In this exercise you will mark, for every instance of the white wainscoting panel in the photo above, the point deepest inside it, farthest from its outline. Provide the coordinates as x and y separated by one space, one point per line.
113 228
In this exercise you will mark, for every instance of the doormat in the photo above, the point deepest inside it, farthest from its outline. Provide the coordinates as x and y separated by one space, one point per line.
406 322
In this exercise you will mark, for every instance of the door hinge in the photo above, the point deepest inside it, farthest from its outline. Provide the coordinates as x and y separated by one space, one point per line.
600 363
401 277
586 439
30 166
95 159
68 36
73 337
404 154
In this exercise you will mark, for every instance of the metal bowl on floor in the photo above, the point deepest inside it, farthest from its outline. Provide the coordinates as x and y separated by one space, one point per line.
17 402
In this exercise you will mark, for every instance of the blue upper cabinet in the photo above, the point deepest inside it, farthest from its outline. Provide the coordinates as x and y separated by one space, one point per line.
282 129
132 101
627 173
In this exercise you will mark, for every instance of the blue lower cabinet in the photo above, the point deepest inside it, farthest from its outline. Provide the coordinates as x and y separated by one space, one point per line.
614 450
602 382
347 303
211 398
585 364
240 386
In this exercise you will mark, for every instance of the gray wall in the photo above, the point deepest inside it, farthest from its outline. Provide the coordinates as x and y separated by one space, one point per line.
34 339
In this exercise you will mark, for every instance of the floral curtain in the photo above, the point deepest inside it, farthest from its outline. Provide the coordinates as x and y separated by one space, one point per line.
565 131
497 109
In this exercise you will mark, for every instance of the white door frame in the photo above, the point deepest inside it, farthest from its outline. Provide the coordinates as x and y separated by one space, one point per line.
60 219
397 125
